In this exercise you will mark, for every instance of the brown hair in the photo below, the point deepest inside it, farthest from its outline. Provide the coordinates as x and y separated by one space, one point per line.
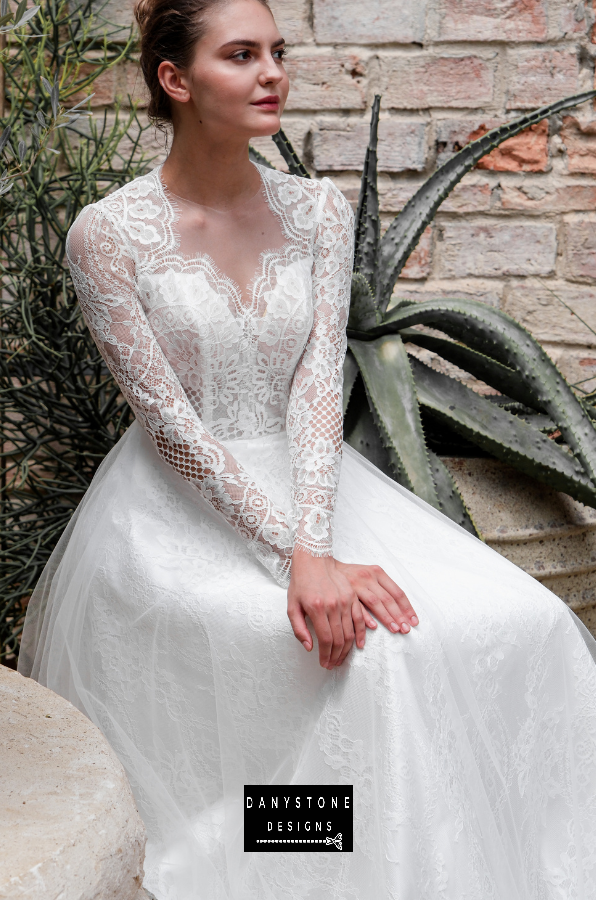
169 31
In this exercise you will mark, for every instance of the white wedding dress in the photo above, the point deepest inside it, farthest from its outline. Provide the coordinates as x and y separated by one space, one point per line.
470 741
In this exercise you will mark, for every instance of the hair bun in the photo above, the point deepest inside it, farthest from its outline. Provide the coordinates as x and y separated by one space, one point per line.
142 11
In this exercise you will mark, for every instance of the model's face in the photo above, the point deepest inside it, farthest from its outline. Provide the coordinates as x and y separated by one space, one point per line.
236 83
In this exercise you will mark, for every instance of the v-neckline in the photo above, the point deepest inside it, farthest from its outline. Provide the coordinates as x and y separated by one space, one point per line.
165 194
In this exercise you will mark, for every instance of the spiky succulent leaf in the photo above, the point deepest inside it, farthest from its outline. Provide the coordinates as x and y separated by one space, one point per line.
387 376
290 156
364 437
404 232
450 500
257 157
496 334
500 433
363 309
498 376
368 224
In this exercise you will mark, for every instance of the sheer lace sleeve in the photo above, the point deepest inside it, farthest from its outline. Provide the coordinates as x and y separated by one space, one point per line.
314 417
102 271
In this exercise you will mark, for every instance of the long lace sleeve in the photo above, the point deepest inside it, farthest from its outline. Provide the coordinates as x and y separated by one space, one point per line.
102 273
314 418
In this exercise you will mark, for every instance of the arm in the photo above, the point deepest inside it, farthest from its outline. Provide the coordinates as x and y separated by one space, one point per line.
102 273
315 417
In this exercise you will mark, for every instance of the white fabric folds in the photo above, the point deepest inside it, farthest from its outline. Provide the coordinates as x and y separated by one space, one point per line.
470 741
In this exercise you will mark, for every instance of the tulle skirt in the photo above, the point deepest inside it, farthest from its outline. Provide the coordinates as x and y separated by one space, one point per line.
470 742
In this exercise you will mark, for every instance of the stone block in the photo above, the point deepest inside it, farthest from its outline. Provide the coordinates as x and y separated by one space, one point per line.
579 139
578 365
580 248
485 20
69 827
548 197
424 80
130 83
341 144
553 311
526 152
291 19
103 88
468 196
379 22
575 19
538 77
492 248
326 82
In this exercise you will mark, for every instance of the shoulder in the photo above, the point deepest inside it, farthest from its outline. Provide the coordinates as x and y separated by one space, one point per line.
322 196
118 210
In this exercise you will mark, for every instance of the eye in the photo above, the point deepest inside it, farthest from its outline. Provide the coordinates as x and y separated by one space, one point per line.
242 55
280 53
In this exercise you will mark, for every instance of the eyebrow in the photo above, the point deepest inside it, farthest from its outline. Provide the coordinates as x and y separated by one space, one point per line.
248 43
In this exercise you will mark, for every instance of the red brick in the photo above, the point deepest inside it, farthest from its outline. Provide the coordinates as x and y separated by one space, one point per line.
526 152
326 82
380 22
341 144
419 264
490 248
290 17
573 20
549 198
485 20
538 77
580 249
423 81
580 142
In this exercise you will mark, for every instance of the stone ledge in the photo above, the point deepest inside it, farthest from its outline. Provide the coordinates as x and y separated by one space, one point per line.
69 827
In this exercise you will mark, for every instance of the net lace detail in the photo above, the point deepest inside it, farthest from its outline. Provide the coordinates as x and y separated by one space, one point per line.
200 368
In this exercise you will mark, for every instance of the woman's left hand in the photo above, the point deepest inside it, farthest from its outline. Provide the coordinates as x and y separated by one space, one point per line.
380 594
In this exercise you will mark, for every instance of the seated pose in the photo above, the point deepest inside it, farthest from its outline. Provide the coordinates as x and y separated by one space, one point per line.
230 606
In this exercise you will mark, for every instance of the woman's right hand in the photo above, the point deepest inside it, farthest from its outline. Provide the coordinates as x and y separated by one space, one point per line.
327 591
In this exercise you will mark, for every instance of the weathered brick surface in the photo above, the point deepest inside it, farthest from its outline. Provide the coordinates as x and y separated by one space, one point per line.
538 77
526 152
291 17
548 197
341 144
424 80
324 81
377 22
543 313
579 139
419 263
580 248
493 248
485 20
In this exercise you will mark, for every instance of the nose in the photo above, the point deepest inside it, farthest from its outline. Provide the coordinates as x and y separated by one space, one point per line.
271 72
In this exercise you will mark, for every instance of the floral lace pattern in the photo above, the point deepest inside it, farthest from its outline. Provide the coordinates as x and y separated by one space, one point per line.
199 367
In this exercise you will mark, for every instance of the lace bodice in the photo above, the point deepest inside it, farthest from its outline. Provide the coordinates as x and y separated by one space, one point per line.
204 359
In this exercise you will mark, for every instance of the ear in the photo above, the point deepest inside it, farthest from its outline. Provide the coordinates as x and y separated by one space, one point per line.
173 81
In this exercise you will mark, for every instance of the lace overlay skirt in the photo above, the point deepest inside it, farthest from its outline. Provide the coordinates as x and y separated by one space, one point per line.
470 741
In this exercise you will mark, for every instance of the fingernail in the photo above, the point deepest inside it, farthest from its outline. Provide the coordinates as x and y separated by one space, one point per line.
414 620
305 644
393 626
405 627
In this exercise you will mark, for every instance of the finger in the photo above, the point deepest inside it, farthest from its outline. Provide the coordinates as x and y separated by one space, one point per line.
398 595
349 634
324 635
358 617
337 627
299 626
385 609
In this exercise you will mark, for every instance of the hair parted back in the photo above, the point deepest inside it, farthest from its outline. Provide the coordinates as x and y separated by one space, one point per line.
169 32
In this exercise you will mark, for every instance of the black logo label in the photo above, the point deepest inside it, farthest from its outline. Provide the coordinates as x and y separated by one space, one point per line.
317 817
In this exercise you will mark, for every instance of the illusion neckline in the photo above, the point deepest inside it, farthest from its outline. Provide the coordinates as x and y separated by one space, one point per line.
223 212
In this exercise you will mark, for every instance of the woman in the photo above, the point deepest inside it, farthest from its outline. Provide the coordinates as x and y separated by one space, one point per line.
218 292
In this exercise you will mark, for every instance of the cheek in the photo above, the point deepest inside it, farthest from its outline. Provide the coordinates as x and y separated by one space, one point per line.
219 89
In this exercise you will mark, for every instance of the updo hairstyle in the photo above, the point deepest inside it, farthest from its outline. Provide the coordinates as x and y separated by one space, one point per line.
169 32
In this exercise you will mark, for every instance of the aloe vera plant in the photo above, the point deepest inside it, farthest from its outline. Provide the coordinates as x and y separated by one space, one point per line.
535 422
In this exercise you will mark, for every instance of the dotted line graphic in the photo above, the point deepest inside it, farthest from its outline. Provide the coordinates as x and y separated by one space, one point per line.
329 840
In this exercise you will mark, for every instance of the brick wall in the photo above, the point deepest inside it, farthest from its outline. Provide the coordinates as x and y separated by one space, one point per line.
522 226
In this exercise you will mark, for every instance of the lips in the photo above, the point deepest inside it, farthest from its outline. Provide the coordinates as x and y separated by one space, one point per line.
270 102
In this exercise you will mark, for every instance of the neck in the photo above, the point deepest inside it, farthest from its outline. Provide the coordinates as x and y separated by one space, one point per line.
211 172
